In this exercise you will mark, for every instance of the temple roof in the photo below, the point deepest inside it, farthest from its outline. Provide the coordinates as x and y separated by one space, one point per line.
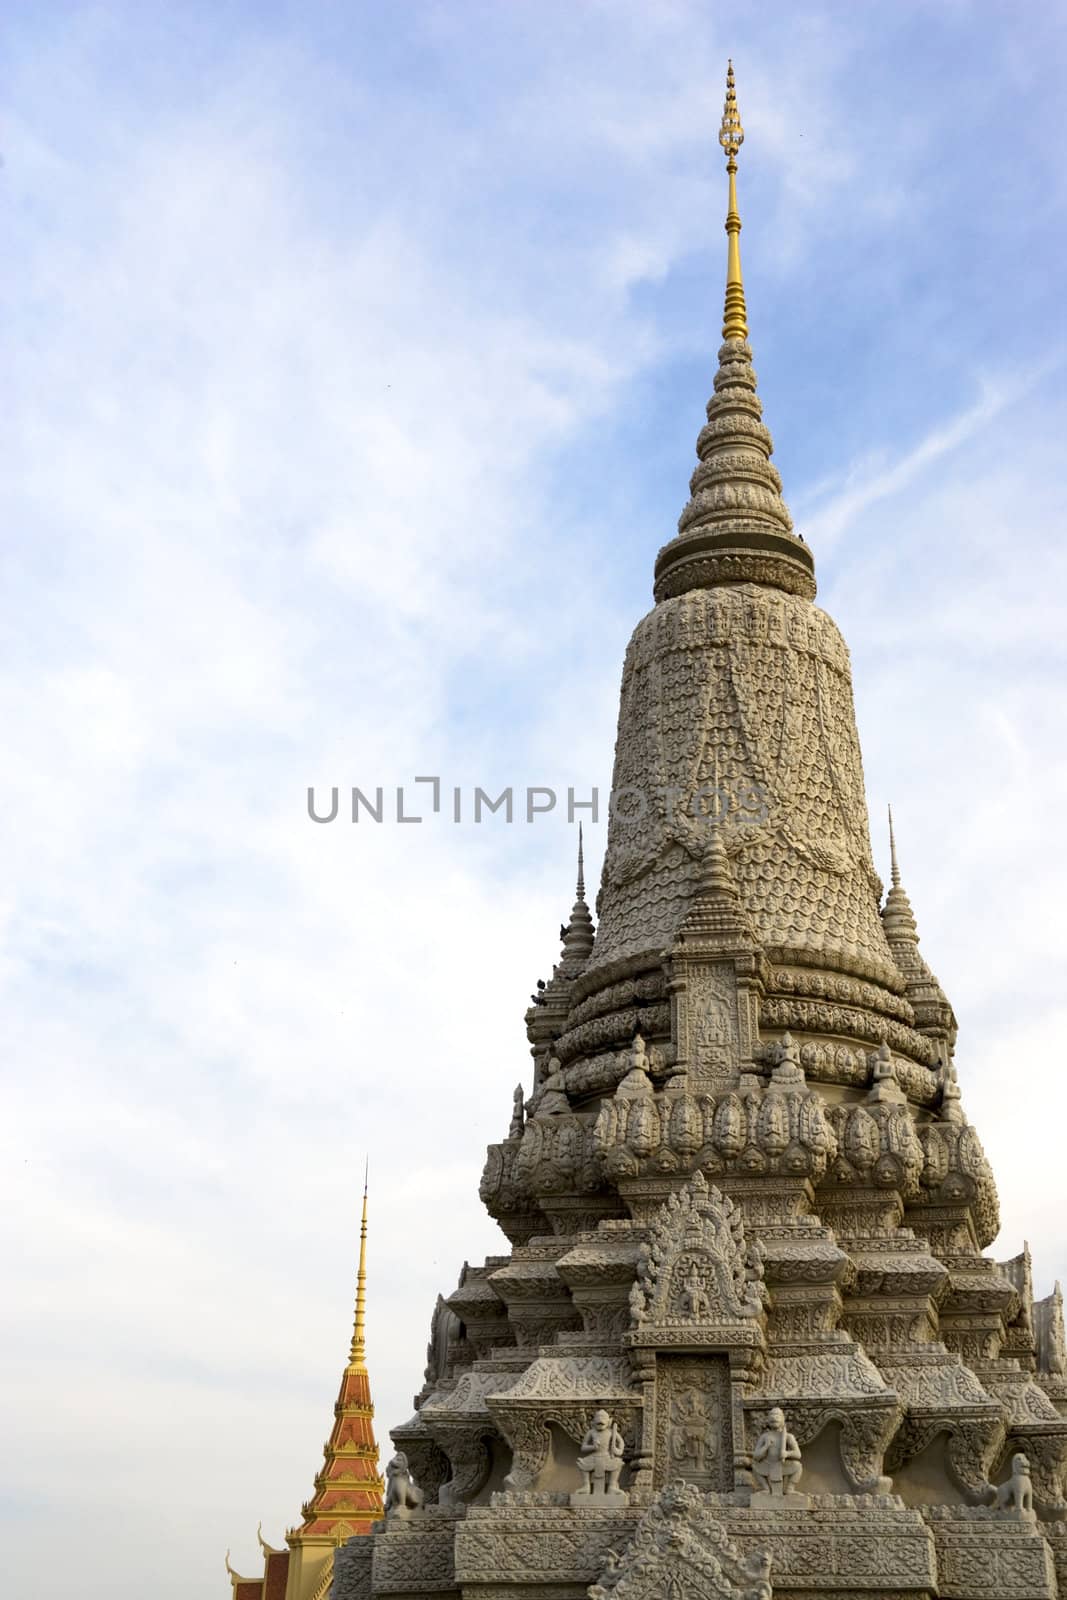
347 1499
348 1487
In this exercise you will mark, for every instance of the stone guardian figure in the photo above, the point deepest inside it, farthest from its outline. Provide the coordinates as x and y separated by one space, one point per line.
1017 1494
776 1464
600 1463
403 1496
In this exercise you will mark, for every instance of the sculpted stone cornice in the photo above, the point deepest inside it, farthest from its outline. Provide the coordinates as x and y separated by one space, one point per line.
528 1543
644 988
505 1198
615 1028
973 1436
876 1144
479 1308
956 1172
758 1128
804 1016
558 1157
838 987
694 566
561 1390
466 1398
989 1555
807 1261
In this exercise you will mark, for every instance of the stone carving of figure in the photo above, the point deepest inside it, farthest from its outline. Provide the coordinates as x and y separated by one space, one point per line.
776 1458
552 1101
1018 1493
694 1299
637 1081
600 1462
755 1289
691 1434
402 1495
518 1116
951 1108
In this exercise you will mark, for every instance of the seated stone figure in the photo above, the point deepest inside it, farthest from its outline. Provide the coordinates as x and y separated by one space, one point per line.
551 1100
601 1462
776 1462
402 1495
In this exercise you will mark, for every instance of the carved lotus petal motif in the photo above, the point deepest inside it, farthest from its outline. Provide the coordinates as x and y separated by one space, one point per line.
643 1129
729 1125
605 1130
773 1125
937 1158
686 1126
862 1141
901 1138
814 1129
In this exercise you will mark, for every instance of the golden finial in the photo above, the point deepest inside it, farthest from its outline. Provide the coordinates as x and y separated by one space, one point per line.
732 137
357 1359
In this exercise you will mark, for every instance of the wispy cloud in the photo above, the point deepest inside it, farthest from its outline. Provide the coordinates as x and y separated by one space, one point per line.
830 509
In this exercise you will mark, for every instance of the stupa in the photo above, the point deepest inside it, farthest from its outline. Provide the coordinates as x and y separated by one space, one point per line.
745 1339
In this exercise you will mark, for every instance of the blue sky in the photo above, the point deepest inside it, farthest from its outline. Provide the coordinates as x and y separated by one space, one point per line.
355 357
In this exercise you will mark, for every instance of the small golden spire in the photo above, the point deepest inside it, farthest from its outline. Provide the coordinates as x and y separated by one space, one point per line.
731 137
357 1359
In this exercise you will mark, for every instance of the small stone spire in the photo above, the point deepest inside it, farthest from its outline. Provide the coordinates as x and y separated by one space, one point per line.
933 1013
898 919
577 936
716 911
732 137
357 1356
736 527
894 868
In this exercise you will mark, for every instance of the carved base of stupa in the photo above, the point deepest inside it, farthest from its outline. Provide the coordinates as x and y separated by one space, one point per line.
866 1548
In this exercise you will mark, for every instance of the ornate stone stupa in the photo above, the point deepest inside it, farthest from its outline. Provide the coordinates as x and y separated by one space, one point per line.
745 1339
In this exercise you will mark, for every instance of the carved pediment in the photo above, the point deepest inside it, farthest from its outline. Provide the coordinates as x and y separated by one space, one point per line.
697 1273
680 1552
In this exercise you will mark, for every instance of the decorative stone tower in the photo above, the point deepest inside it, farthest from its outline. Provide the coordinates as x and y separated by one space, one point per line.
745 1337
348 1489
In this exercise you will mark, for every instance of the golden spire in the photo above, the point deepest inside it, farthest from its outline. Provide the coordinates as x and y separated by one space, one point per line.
731 137
357 1358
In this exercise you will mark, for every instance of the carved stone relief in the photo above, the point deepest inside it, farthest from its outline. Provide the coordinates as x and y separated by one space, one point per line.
694 1433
